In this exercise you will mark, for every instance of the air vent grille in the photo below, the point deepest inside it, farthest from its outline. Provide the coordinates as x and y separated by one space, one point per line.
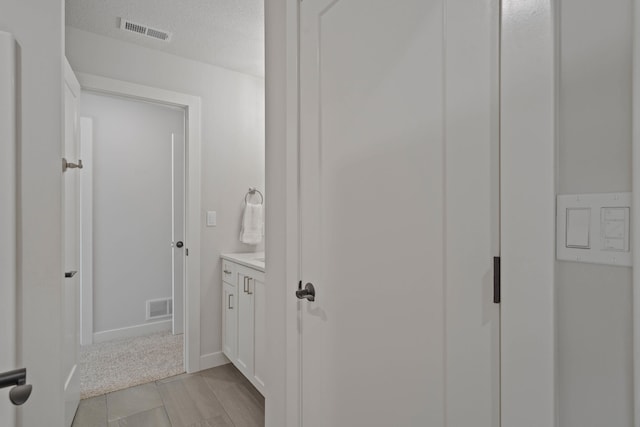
144 30
158 308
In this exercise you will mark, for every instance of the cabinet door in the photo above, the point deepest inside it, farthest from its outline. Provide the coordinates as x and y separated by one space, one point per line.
244 360
230 320
260 333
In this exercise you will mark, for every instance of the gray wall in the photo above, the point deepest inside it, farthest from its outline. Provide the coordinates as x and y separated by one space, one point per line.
232 143
131 206
594 311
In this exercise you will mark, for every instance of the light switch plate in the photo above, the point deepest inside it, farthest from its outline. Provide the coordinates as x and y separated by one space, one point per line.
212 218
594 228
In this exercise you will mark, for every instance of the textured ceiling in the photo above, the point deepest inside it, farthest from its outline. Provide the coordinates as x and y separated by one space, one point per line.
227 33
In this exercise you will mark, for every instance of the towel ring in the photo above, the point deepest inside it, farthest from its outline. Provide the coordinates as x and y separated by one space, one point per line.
251 192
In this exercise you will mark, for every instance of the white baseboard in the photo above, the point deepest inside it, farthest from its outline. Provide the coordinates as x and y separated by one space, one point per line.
211 360
132 331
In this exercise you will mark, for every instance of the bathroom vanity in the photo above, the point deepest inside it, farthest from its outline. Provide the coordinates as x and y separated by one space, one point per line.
243 320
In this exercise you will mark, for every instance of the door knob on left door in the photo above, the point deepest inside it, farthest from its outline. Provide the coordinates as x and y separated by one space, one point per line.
21 390
179 244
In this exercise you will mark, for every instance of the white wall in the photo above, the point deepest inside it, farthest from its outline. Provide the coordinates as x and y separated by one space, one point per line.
38 28
594 303
131 206
232 143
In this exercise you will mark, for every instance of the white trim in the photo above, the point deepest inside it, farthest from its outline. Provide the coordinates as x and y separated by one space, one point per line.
527 182
211 360
8 217
192 105
132 331
635 209
281 274
86 232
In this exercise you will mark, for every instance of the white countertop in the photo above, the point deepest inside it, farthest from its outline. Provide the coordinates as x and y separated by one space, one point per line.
253 260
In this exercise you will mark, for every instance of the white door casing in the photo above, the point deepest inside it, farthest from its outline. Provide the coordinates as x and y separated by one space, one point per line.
8 215
71 246
399 212
192 106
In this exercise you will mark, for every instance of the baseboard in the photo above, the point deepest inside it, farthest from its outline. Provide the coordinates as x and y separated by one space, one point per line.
211 360
132 331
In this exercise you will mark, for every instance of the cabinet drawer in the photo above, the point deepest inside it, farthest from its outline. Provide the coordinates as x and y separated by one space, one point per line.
228 271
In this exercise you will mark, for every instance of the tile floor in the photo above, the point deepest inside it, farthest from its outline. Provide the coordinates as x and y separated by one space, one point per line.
217 397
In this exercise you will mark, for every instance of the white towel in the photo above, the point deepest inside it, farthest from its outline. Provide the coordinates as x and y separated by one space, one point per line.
251 232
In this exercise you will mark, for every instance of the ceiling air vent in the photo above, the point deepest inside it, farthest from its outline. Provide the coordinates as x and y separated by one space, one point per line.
144 30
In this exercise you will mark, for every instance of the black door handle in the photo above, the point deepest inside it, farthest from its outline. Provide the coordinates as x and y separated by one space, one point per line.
70 274
308 293
21 390
179 244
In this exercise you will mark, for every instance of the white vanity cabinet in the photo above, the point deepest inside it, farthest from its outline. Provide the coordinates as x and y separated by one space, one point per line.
243 337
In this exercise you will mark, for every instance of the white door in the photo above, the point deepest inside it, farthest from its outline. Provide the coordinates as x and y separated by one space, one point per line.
399 203
71 246
8 199
177 230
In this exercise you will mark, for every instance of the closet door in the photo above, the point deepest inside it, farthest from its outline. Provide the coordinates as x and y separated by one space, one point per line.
399 212
71 246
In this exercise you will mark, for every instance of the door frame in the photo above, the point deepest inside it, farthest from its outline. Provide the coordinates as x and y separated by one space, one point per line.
192 106
528 254
635 148
8 217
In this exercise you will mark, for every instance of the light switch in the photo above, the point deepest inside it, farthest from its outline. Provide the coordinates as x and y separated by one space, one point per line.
578 224
594 228
615 226
211 218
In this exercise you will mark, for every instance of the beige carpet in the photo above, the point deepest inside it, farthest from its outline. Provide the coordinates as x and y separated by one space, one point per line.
118 364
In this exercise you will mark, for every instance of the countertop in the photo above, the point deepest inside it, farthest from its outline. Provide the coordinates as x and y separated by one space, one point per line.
253 260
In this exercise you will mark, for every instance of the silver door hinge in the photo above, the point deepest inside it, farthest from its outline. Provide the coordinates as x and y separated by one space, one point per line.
68 165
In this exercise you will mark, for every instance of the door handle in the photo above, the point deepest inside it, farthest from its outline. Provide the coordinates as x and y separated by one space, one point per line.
70 274
249 279
229 306
21 391
179 244
245 284
308 293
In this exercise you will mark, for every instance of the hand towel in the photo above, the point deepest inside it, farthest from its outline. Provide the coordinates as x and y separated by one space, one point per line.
251 232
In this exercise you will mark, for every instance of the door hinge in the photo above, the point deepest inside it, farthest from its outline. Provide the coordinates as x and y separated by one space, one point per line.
68 165
496 279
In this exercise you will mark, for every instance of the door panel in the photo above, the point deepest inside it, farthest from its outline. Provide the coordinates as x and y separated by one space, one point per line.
245 324
260 332
71 250
398 212
230 320
177 230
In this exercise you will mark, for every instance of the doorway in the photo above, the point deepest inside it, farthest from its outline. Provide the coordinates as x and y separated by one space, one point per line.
181 150
133 241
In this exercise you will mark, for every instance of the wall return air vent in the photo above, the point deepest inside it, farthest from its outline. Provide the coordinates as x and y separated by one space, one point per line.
159 308
144 30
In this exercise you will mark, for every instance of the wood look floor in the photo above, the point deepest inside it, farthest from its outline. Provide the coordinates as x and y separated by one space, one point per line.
218 397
